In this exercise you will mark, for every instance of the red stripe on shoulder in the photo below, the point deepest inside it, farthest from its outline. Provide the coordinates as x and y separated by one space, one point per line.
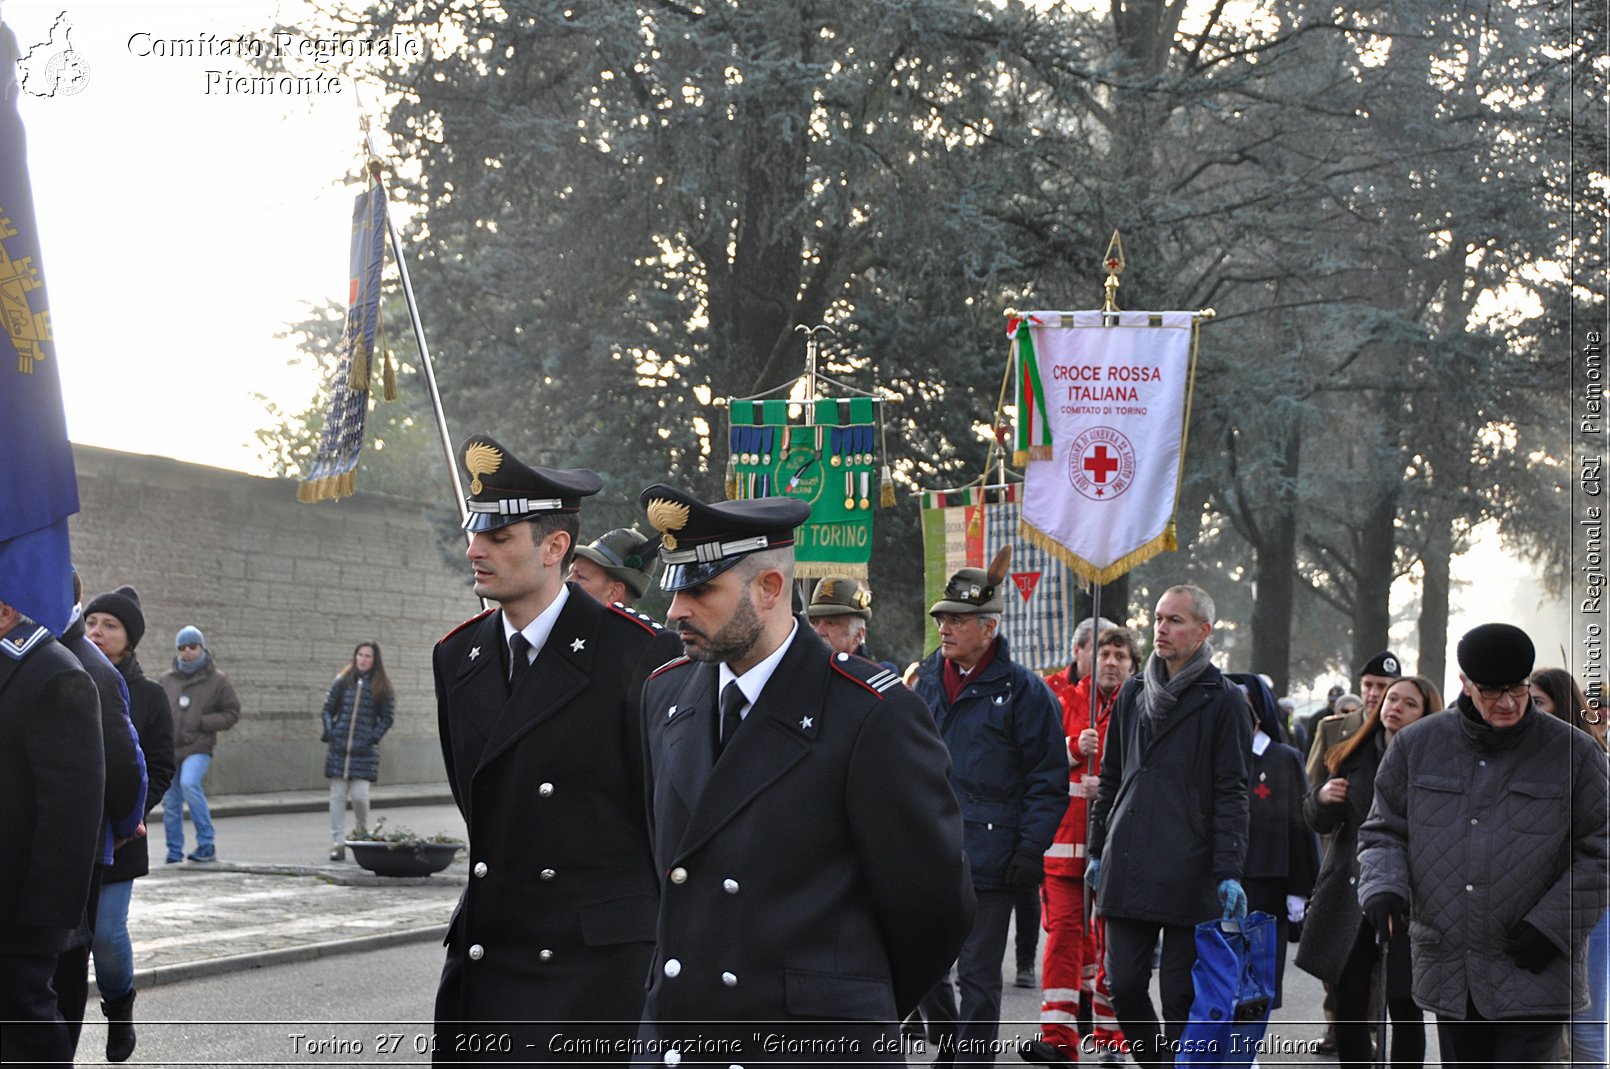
872 677
474 619
675 662
645 622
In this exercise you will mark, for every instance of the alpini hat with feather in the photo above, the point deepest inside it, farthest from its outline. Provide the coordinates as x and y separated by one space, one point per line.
625 553
973 590
838 595
699 541
502 490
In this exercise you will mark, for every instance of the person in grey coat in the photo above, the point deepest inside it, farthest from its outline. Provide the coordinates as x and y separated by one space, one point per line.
1489 829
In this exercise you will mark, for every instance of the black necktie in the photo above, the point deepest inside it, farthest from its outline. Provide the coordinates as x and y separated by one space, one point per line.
519 662
732 700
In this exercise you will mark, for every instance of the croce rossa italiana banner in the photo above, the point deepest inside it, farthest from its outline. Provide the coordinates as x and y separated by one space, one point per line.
1102 410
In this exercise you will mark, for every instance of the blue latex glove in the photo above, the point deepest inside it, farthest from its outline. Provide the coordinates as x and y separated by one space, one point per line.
1233 898
1093 872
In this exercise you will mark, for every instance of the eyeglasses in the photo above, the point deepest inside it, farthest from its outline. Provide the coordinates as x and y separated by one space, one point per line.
1516 692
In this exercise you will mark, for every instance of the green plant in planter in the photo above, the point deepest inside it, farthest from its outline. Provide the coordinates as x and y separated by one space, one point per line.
392 845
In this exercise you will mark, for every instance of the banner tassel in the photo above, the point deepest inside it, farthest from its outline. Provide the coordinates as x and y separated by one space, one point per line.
731 481
359 378
886 489
389 377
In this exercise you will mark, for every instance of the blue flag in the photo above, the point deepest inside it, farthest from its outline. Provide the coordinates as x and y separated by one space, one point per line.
38 487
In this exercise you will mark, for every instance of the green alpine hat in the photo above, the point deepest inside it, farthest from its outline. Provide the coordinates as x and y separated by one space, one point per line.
973 590
837 595
626 554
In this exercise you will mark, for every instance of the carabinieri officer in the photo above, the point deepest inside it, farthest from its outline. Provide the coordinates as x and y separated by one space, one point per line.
537 703
807 843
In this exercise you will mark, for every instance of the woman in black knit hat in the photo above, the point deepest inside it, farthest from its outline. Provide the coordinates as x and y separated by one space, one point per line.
115 623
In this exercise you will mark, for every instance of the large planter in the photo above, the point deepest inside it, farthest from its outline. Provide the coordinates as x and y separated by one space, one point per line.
417 858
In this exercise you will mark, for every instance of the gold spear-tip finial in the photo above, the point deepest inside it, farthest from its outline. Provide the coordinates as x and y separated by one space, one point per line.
1112 263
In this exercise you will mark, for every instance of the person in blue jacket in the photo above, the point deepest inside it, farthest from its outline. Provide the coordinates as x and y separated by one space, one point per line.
1009 769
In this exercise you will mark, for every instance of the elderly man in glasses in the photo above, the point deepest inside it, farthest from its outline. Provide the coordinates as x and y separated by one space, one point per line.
1492 824
1009 769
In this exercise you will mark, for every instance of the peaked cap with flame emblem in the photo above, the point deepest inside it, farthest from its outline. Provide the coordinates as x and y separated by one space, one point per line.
699 541
976 589
505 491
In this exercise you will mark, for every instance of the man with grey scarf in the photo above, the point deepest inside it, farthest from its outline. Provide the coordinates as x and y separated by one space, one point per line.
1168 832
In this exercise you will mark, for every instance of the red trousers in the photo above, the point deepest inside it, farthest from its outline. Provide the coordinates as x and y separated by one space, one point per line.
1074 969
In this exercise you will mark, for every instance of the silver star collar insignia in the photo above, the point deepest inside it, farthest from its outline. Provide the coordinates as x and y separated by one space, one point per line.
805 723
578 645
475 652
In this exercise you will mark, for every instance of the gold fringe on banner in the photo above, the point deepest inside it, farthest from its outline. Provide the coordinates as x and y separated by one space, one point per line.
1166 542
327 488
822 569
1021 457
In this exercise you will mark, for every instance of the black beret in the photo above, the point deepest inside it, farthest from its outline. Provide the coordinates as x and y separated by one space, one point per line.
699 541
1496 655
503 490
124 604
1384 663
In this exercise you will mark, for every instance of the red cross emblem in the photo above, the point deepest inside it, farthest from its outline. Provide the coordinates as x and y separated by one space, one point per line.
1262 791
1101 463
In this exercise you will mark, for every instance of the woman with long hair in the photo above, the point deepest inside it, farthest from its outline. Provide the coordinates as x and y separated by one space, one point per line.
1338 942
357 712
1555 692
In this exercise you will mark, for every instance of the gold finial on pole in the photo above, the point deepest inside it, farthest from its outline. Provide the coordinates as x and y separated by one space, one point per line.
1113 264
810 367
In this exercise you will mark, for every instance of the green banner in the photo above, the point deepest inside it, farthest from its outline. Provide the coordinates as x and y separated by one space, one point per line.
830 463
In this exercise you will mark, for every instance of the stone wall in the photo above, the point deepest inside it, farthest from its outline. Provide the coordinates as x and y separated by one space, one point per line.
283 591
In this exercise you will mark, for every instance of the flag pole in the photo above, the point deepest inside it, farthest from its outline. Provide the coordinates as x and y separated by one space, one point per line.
376 170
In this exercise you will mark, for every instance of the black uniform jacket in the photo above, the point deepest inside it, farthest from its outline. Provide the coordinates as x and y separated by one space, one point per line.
556 923
814 873
52 776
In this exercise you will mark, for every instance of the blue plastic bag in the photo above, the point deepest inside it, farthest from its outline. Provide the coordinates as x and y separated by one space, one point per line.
1234 978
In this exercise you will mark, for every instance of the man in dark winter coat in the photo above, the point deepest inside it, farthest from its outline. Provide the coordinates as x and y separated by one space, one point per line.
1168 833
1009 768
810 846
116 623
1491 821
538 706
52 779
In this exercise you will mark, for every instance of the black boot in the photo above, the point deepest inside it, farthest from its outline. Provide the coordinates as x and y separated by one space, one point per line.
119 1027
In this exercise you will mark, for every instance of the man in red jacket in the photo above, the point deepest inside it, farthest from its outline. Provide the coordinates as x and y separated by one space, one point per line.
1073 938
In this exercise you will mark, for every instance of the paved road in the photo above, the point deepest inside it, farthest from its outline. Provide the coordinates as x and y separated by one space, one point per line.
272 936
381 1001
